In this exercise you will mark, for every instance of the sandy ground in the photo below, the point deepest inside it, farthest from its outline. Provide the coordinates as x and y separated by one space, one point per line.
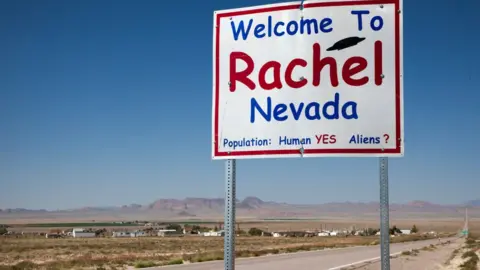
457 260
424 260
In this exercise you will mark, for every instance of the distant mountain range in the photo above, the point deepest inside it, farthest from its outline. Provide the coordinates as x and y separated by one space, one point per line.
473 203
250 207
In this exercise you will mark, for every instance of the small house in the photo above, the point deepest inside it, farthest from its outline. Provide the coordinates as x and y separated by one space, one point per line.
121 234
52 235
81 233
213 233
276 234
138 234
165 233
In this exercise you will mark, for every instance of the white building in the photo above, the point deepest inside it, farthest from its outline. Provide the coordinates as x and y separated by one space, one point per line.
164 233
406 231
52 235
323 234
80 233
276 234
212 233
138 234
121 234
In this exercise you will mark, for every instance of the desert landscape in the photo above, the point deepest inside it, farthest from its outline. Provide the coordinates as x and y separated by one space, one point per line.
40 239
118 253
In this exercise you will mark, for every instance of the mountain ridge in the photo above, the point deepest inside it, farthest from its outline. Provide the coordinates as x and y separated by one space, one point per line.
249 202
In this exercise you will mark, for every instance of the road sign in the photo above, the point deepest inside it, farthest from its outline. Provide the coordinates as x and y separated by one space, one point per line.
318 79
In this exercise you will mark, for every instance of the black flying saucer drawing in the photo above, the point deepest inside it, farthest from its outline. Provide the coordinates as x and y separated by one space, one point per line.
346 43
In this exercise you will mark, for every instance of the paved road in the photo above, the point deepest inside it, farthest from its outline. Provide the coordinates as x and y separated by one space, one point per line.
311 260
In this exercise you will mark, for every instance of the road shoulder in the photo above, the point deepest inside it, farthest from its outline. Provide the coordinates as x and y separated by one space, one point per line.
433 257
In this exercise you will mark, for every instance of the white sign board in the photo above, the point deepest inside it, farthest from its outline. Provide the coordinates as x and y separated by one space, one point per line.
322 80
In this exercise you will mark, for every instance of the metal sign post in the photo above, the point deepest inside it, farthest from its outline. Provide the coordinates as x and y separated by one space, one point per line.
229 227
384 215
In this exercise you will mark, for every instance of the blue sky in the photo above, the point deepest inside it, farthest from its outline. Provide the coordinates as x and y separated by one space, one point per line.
109 103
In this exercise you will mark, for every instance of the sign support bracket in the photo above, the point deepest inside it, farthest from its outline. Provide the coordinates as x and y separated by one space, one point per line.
230 200
384 215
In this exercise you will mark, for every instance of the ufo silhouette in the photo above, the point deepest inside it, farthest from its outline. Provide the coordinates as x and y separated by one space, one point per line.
345 43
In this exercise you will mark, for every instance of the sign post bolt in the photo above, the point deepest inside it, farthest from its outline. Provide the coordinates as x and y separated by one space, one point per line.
301 5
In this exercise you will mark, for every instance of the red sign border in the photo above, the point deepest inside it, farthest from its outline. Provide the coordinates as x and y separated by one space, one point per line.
398 113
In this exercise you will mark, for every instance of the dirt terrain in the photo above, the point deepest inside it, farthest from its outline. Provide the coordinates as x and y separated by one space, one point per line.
30 253
27 252
454 255
433 257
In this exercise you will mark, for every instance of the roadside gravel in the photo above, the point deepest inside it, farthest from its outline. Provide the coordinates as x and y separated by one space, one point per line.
437 258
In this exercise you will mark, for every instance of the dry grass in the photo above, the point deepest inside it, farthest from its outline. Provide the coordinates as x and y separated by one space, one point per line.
452 256
104 253
429 248
413 252
471 261
470 256
116 253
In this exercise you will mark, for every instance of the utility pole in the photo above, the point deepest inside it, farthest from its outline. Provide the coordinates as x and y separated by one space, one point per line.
465 226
